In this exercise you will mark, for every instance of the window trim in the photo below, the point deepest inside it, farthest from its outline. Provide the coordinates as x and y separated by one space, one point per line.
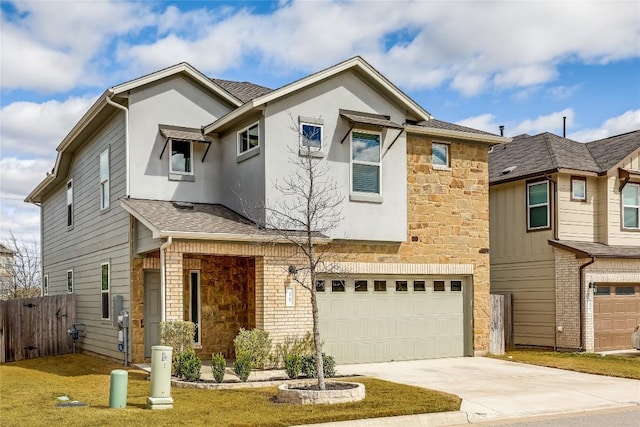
70 289
191 157
105 182
623 206
243 155
573 197
45 285
447 145
108 291
70 209
198 330
364 196
547 204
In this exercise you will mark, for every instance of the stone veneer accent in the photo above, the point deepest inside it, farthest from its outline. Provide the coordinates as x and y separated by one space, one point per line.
567 293
448 224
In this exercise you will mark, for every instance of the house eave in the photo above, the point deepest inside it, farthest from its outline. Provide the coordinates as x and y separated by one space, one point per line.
454 134
231 237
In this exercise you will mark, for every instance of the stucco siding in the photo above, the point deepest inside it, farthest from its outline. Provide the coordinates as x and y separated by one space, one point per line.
384 220
578 220
95 237
179 102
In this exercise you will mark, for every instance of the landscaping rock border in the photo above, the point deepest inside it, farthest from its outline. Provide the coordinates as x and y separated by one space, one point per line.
287 393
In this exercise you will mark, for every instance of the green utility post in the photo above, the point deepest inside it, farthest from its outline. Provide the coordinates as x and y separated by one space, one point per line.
118 389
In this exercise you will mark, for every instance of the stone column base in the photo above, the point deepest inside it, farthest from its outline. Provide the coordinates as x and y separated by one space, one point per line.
159 403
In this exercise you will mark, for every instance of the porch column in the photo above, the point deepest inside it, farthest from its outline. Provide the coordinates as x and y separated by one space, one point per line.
174 285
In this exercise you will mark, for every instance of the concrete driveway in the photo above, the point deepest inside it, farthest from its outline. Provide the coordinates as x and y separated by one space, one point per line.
491 389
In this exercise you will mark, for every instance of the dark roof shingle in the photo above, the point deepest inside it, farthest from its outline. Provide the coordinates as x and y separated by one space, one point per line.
439 124
597 250
609 152
244 91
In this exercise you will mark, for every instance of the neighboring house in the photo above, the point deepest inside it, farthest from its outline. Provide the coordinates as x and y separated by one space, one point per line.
6 272
149 194
565 239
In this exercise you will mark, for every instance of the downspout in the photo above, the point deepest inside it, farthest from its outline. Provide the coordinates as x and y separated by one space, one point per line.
163 278
581 271
126 138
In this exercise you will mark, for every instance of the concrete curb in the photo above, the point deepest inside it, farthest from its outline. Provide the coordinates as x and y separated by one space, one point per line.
438 419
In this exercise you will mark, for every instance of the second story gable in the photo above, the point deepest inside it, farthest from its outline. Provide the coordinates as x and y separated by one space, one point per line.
546 187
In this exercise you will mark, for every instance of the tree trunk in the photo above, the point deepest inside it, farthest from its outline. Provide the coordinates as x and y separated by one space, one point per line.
316 336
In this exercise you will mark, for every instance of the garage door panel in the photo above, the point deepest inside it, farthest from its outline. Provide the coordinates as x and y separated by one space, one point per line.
615 316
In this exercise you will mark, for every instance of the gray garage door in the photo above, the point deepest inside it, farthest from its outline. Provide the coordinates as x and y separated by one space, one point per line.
392 318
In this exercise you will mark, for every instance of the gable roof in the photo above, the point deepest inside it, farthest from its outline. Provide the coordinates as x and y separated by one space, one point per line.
356 64
244 91
5 250
597 250
529 156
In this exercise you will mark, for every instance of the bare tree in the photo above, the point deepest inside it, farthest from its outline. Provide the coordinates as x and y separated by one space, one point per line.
308 209
25 269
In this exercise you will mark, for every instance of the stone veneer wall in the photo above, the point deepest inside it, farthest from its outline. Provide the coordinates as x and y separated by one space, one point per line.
447 224
567 294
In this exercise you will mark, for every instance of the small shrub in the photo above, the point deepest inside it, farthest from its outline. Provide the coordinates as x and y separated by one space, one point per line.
255 344
293 366
177 334
188 365
242 367
293 345
218 367
309 366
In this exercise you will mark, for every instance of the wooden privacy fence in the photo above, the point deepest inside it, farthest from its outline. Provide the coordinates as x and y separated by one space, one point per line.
501 325
36 327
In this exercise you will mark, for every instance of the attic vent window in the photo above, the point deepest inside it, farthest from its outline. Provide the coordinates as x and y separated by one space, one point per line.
508 170
183 206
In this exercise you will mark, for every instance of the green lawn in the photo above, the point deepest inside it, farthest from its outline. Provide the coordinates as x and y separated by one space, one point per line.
590 363
28 391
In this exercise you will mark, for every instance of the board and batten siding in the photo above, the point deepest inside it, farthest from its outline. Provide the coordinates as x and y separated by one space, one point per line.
578 220
522 263
616 235
95 237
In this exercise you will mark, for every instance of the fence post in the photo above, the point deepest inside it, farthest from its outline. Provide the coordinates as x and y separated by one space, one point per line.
496 343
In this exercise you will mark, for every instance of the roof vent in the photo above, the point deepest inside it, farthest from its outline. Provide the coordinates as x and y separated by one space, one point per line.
508 170
183 205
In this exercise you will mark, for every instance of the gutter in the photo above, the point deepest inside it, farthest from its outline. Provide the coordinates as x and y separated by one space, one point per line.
107 98
581 279
163 279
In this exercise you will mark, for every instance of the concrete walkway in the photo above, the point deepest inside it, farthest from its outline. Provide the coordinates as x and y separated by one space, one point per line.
494 389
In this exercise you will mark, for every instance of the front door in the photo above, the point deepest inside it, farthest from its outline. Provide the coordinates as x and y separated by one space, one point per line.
152 310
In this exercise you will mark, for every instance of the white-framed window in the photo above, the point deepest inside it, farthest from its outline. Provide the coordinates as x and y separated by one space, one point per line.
248 139
194 304
105 288
105 192
538 212
70 203
579 188
440 155
69 281
366 162
180 161
631 206
310 136
45 285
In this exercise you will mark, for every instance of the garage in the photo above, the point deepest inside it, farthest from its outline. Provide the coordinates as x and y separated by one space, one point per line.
377 319
616 315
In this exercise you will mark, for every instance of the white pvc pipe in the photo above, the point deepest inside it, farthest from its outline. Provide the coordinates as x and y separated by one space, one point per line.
126 138
163 279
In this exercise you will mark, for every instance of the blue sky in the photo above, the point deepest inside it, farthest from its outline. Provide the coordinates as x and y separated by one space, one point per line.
522 64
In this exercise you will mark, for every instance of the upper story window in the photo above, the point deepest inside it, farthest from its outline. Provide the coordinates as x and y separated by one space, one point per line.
631 206
440 155
180 160
310 136
248 139
70 203
579 188
69 281
105 285
366 164
538 213
104 180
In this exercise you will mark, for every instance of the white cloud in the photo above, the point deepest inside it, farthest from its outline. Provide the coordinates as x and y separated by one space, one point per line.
486 122
35 129
626 122
550 123
52 45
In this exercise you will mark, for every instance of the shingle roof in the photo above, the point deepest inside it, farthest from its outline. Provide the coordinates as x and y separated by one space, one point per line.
609 152
169 217
5 250
369 119
244 91
184 133
597 250
533 155
439 124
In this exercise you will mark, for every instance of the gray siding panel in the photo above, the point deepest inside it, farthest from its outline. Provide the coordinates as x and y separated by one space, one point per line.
96 236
